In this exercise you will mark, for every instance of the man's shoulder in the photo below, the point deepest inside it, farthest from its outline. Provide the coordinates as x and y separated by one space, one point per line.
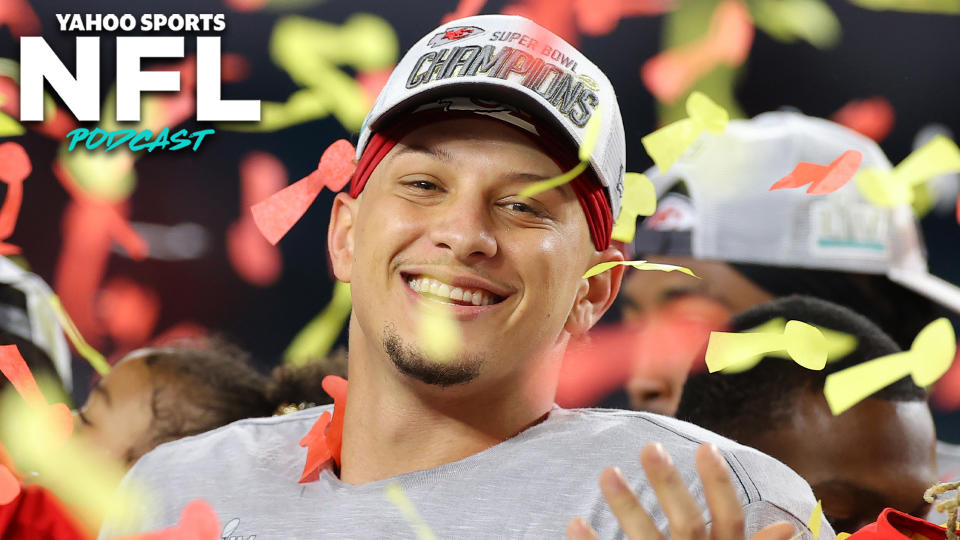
268 439
758 476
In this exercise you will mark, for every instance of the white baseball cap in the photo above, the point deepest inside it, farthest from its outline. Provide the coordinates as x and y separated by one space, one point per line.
516 61
731 214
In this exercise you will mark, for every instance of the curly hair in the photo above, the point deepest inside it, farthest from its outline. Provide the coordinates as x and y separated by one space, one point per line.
199 385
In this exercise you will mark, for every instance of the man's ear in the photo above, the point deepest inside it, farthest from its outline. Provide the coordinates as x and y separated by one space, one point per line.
340 235
595 294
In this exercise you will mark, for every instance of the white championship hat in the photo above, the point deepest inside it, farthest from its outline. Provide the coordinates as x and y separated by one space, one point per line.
731 214
512 59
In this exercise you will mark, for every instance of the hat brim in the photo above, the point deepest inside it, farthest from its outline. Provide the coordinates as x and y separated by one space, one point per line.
926 284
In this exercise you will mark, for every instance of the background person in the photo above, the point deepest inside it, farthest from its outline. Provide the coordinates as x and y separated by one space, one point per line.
879 453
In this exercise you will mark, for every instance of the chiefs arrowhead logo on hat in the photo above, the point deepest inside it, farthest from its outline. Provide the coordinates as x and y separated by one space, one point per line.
453 34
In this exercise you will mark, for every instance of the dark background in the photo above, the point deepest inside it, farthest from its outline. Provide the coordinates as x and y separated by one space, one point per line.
911 59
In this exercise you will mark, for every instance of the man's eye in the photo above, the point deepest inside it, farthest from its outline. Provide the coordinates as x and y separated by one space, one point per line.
425 185
522 207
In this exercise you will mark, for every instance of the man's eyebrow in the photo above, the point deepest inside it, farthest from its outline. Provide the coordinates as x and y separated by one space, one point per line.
525 177
436 152
441 155
99 388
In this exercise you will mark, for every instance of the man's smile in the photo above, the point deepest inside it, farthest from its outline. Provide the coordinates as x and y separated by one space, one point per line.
467 294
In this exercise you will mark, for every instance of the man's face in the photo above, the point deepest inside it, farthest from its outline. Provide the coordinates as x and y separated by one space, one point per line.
440 222
877 454
668 308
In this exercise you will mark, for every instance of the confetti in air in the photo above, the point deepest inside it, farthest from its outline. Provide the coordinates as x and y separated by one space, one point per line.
805 344
639 199
667 144
838 345
822 179
672 73
316 339
590 134
96 359
277 214
892 188
440 336
639 265
928 359
398 498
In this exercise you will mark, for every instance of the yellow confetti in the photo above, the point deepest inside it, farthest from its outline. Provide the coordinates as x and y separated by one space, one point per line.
928 359
707 114
93 356
398 498
838 345
667 144
816 517
790 20
590 134
556 181
804 343
316 339
639 199
439 332
9 127
81 476
938 156
311 51
948 7
639 265
843 536
106 176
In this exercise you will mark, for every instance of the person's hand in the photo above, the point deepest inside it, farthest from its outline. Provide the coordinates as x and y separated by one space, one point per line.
681 509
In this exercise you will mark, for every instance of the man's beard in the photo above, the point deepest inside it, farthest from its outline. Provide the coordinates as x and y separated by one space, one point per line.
412 362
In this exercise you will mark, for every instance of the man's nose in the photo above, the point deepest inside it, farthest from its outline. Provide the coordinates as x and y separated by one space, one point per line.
465 227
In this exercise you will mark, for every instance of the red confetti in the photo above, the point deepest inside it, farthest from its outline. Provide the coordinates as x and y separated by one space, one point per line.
254 259
9 480
671 73
600 17
20 17
652 349
245 6
822 178
336 387
9 485
129 311
14 163
872 117
14 169
281 211
315 442
325 436
198 521
90 226
554 15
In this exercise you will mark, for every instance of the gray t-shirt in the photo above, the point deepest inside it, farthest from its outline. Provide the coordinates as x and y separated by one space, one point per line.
529 486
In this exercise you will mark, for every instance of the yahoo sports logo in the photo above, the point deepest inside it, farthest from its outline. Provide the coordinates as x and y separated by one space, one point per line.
454 34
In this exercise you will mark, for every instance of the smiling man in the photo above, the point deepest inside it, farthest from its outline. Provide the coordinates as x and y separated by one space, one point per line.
474 113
